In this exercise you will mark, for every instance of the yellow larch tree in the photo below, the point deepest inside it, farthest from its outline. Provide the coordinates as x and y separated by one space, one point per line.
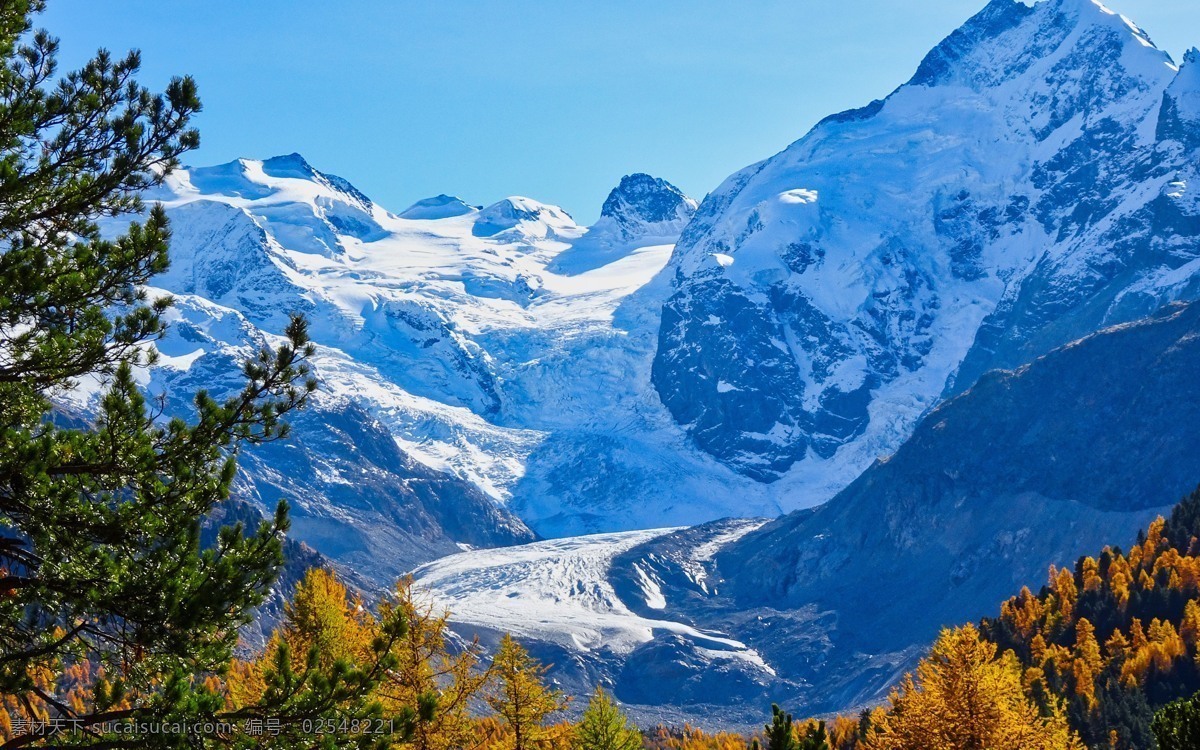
520 699
1087 662
321 614
427 675
1189 629
964 697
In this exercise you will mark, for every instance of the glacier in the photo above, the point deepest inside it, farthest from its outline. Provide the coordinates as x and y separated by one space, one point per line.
894 320
504 349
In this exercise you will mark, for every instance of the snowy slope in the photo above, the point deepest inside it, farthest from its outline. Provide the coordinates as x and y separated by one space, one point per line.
504 346
355 494
824 609
1031 185
1033 182
615 609
559 591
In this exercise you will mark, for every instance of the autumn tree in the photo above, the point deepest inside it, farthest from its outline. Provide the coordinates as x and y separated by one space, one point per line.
323 615
317 683
1087 661
519 697
110 609
440 683
688 737
964 697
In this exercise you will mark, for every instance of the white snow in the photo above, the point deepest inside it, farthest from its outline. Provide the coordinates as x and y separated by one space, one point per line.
798 196
871 186
558 592
501 345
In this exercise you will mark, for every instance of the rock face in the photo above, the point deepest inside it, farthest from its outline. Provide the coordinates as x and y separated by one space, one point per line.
645 206
1033 182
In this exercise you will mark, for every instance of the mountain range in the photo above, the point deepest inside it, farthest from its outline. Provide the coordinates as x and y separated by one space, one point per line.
945 336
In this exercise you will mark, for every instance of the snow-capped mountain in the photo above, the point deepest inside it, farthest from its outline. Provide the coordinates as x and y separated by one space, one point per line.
503 352
493 373
1034 181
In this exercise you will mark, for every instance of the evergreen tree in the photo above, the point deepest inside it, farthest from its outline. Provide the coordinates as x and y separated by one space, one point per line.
518 696
814 737
604 727
780 735
1177 725
109 608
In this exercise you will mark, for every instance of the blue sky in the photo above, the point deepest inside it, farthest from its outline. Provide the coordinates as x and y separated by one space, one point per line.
553 100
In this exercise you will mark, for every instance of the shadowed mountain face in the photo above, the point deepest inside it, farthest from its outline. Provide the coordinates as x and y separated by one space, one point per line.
1029 467
1033 182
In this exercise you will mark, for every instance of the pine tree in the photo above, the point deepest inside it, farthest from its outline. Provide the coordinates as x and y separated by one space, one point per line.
1177 725
604 727
814 737
518 696
109 607
779 733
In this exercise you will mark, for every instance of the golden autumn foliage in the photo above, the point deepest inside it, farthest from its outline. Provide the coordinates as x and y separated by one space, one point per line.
1027 680
1151 576
688 737
519 698
1117 637
427 675
964 696
1087 661
441 686
321 616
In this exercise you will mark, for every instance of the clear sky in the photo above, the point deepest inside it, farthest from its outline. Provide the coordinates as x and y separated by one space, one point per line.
553 99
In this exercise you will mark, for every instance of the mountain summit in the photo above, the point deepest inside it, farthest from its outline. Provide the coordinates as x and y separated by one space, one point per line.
438 207
1023 189
645 206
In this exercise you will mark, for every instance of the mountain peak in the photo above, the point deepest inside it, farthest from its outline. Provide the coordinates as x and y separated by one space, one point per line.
1179 117
291 165
1008 37
526 215
642 205
438 207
